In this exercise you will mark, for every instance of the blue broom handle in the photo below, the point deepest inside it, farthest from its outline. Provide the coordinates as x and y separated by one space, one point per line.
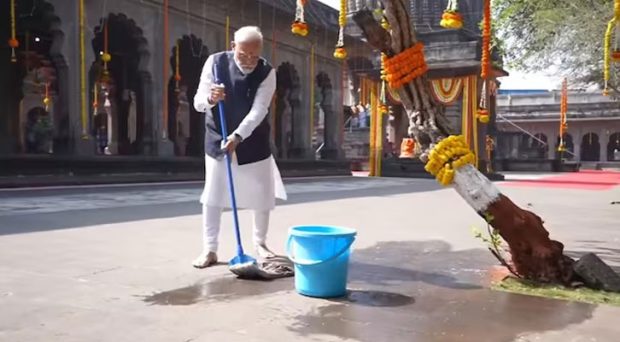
231 186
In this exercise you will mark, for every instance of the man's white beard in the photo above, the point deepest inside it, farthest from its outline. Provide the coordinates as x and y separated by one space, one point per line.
246 71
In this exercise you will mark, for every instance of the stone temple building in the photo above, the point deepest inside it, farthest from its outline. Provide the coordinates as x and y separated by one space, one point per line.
53 100
529 125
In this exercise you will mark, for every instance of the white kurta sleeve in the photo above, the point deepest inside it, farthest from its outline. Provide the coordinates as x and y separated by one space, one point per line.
201 99
260 107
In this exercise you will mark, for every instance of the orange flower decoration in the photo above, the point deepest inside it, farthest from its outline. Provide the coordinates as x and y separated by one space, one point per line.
405 67
451 19
300 28
13 43
483 116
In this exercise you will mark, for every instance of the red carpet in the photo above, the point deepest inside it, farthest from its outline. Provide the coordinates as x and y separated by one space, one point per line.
583 180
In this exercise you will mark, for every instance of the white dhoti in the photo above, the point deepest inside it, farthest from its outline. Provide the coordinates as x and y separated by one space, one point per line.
257 185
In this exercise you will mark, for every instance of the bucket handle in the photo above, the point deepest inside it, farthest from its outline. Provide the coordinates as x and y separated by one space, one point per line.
314 263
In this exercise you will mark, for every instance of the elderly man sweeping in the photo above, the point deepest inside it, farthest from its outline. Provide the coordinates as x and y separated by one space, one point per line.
245 82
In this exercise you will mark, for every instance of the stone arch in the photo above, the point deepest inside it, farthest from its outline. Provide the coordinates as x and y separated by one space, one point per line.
22 85
288 107
570 147
590 149
613 147
128 87
185 124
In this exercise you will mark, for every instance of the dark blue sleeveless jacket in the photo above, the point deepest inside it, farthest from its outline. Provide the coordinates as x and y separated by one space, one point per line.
240 93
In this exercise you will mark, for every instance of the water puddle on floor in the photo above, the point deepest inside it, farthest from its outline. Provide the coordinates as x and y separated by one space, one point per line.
222 289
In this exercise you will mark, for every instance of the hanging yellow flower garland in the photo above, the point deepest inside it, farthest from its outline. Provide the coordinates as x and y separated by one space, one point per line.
383 107
106 57
299 26
451 18
47 100
340 51
609 54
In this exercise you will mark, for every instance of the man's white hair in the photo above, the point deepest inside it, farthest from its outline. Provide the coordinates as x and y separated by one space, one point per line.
248 34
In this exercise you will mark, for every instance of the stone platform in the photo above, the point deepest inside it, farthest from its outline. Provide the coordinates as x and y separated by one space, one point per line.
47 170
414 168
536 165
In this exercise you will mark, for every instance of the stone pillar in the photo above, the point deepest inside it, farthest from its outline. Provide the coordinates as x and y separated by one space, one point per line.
302 140
577 138
147 125
603 141
514 147
161 144
333 115
80 144
552 137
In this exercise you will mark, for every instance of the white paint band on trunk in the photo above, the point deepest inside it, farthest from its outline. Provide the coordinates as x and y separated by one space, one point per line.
475 188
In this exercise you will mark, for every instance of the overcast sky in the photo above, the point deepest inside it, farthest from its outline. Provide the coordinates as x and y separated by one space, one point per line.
516 80
332 3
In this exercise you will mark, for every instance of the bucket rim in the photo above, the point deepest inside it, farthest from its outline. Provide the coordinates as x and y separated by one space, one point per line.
345 231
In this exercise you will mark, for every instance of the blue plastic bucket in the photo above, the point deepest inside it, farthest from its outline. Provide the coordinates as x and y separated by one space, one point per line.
321 258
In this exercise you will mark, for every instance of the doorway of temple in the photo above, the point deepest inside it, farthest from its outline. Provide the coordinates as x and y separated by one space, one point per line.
33 71
119 84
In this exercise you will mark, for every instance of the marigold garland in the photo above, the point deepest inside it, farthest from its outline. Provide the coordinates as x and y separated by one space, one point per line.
485 63
13 42
451 18
447 156
340 52
563 111
47 100
486 41
483 116
606 59
405 66
383 107
106 57
610 55
177 71
299 26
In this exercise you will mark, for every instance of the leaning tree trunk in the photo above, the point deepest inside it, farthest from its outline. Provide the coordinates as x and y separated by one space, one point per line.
534 255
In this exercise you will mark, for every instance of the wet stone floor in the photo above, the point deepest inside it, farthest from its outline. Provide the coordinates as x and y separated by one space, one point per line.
121 272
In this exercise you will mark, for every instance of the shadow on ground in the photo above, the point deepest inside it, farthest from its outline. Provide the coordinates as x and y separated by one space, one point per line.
26 223
424 291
